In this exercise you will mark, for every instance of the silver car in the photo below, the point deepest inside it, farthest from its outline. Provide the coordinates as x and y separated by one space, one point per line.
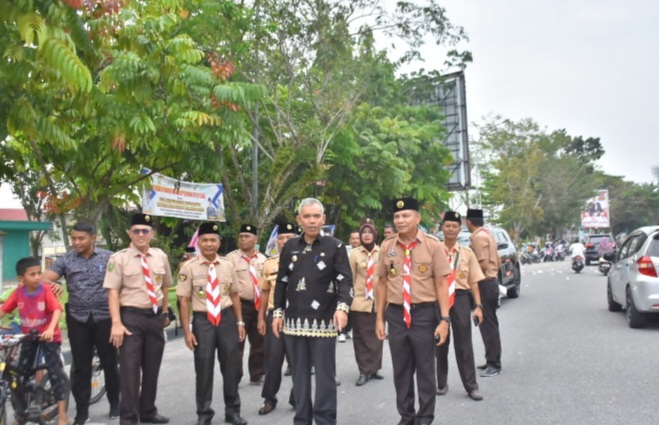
632 281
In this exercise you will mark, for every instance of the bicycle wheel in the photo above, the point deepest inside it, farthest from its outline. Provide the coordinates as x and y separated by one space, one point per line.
47 398
98 380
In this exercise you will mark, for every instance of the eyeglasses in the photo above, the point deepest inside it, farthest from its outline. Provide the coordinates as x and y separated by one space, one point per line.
140 231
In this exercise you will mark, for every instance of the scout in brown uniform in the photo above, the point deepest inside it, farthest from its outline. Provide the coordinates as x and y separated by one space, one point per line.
137 279
248 263
275 348
485 248
208 288
467 274
412 286
368 348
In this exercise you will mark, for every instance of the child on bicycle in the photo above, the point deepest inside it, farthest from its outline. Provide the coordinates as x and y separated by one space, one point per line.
39 310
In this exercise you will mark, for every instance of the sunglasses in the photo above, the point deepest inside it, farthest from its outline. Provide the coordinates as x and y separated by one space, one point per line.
140 231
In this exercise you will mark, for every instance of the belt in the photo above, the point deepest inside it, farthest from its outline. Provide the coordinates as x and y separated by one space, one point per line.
144 311
462 292
417 305
242 300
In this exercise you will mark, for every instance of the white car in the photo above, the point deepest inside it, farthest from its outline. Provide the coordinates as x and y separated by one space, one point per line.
632 281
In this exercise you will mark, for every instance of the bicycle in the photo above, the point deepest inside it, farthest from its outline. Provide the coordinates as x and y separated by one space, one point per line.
32 398
98 379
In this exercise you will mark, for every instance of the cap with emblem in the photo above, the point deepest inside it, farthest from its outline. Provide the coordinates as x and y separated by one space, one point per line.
141 220
452 216
401 204
209 227
190 250
285 227
474 213
248 228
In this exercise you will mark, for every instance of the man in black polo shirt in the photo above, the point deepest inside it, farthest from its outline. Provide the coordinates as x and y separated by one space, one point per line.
313 293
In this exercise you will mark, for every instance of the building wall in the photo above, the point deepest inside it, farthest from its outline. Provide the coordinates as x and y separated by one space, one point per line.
16 245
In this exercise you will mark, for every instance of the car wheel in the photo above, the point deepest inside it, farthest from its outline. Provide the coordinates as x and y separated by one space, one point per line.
635 319
515 290
613 306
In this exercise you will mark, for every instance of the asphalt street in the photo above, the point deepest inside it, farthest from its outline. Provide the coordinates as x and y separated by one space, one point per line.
566 360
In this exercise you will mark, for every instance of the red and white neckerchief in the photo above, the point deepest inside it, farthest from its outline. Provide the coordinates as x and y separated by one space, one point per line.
370 271
255 279
213 297
150 289
407 281
454 271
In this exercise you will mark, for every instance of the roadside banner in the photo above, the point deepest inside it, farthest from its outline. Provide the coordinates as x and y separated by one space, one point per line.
595 214
168 197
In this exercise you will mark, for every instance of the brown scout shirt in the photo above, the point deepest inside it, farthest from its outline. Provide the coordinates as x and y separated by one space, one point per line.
124 274
268 279
428 262
485 248
469 271
193 278
246 291
358 265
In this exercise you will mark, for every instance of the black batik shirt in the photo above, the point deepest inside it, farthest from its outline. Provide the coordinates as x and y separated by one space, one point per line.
84 282
313 282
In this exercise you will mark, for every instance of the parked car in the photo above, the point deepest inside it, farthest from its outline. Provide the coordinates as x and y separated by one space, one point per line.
509 274
592 244
632 281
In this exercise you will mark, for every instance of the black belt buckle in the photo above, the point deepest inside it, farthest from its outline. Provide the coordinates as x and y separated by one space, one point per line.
422 305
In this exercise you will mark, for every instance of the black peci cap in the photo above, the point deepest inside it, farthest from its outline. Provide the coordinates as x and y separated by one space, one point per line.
474 213
401 204
248 228
453 216
141 219
285 227
209 228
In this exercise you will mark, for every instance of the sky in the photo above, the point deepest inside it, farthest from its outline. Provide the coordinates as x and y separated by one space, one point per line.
590 67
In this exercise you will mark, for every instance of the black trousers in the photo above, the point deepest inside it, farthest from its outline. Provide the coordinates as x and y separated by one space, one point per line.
321 354
368 348
489 289
222 341
413 351
256 361
275 352
83 337
51 357
140 356
464 349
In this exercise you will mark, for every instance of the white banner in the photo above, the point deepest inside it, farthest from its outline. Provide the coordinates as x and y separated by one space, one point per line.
168 197
596 212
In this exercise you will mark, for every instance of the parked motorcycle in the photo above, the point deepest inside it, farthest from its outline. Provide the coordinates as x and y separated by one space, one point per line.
577 264
526 258
605 265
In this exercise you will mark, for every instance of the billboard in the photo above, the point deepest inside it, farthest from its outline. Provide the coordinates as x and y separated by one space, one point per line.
168 197
595 214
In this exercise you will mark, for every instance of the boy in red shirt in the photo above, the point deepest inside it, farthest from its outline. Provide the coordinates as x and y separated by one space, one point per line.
39 310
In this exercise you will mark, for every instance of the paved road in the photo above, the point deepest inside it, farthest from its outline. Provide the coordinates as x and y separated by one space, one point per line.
566 360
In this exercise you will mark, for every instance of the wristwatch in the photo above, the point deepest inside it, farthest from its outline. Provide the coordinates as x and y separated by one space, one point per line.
241 323
447 319
479 306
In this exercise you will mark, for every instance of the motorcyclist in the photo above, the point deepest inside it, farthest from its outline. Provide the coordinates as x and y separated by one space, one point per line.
577 249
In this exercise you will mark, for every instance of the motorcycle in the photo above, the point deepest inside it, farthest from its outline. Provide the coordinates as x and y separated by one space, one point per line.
605 265
548 255
526 258
577 264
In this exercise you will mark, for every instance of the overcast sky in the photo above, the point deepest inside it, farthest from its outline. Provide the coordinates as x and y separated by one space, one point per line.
590 67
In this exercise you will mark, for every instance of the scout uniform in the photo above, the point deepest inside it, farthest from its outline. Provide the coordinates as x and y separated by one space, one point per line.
467 275
213 339
248 300
368 348
275 348
485 248
142 315
411 332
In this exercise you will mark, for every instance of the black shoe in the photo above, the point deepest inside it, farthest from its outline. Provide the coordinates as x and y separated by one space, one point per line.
491 371
257 381
203 422
268 406
376 376
362 380
156 419
235 419
288 371
114 411
476 395
482 367
442 391
80 421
